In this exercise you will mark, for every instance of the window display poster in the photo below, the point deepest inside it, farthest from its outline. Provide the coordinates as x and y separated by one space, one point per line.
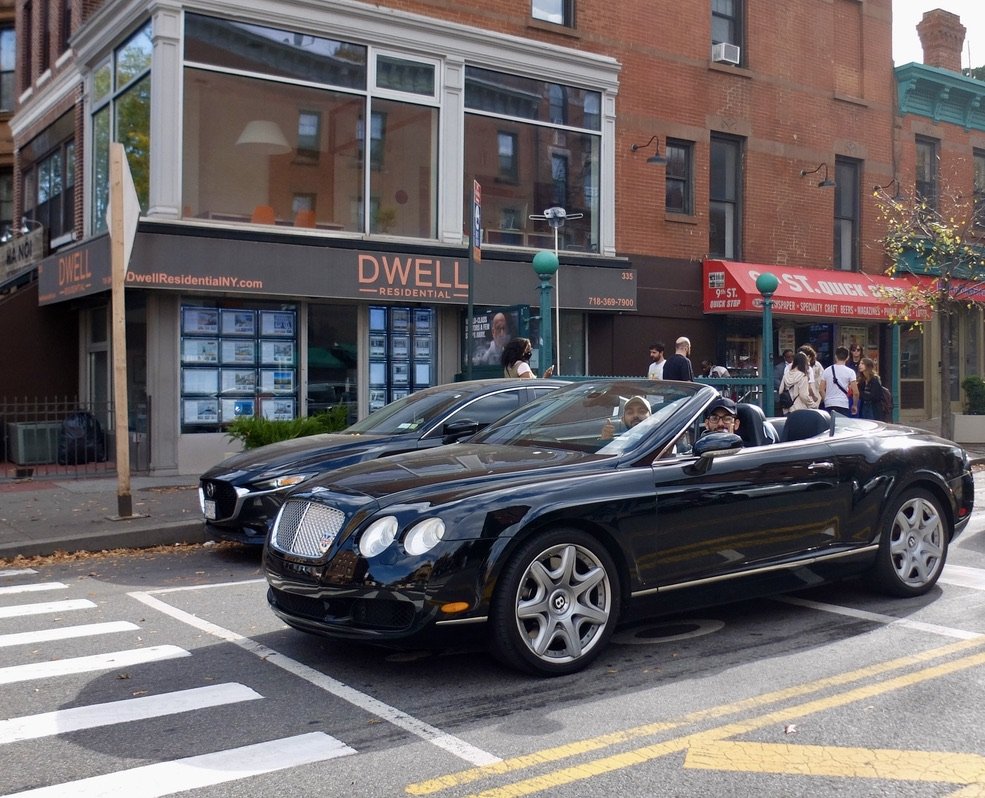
242 352
277 323
422 348
377 319
377 345
277 353
377 398
200 350
400 346
422 375
399 319
277 380
199 321
239 381
200 381
277 409
400 373
422 320
238 322
237 408
377 373
200 411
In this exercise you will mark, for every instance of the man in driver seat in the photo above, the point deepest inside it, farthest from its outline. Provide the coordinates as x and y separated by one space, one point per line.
635 410
721 416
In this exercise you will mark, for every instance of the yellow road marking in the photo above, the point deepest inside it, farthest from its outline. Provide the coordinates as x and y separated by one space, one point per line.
646 753
829 760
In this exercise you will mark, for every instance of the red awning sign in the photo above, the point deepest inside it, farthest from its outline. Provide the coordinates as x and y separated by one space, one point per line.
730 287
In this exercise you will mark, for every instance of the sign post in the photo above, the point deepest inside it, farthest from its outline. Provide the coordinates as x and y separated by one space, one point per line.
475 256
122 213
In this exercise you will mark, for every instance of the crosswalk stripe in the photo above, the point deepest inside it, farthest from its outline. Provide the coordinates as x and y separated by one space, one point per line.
166 778
31 727
97 662
35 587
16 572
963 576
20 610
66 633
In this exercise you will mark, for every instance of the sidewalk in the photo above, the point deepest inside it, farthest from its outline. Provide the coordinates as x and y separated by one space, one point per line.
40 517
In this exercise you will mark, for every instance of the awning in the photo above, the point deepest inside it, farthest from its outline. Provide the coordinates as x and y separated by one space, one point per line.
730 287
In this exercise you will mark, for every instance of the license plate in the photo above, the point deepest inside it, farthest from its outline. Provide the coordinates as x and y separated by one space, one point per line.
210 509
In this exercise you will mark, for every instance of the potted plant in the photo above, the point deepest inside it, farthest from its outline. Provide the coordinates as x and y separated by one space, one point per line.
969 427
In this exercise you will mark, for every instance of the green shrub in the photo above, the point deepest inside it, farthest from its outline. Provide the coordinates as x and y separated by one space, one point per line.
974 390
255 431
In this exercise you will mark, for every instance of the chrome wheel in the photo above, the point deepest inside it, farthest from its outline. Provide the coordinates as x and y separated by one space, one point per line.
556 603
913 547
917 542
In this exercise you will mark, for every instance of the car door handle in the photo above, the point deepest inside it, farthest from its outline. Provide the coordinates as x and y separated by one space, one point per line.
827 467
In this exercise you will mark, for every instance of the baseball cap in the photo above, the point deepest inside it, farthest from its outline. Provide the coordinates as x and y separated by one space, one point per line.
722 403
638 400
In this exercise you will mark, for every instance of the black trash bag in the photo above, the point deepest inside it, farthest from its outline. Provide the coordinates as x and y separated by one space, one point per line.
81 440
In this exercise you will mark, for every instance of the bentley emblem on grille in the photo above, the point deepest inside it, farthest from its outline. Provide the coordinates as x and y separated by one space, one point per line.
210 490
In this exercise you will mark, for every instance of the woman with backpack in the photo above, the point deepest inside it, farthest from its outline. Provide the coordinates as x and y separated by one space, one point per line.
869 390
798 384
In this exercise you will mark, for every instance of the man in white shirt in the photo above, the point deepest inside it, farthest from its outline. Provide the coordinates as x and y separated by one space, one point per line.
839 388
656 370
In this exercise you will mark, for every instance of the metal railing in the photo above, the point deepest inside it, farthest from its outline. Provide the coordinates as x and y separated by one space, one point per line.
62 437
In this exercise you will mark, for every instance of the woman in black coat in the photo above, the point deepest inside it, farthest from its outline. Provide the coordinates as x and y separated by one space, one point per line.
869 390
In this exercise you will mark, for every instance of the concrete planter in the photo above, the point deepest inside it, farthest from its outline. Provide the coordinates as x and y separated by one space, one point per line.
969 429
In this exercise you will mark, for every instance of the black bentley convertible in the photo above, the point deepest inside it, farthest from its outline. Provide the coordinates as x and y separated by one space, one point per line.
557 522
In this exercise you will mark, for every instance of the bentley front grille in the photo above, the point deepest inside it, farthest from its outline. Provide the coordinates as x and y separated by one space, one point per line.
306 529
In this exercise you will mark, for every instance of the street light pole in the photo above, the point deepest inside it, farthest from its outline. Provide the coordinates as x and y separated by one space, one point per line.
556 217
767 284
545 264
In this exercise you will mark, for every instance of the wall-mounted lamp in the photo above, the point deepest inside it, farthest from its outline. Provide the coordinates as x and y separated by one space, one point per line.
894 184
825 182
656 158
24 229
263 137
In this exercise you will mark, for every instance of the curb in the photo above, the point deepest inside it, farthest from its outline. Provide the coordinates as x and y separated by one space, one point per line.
146 537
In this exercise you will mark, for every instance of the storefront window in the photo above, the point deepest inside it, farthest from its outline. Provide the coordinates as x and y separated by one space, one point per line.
911 369
121 112
401 352
277 140
555 142
237 360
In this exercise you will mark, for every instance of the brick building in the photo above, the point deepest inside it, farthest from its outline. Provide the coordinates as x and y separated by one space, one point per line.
306 180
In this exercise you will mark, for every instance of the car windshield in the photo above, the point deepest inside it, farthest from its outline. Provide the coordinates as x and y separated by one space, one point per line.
408 415
607 417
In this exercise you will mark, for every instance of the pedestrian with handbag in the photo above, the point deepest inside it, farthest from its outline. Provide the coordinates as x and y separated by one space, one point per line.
839 387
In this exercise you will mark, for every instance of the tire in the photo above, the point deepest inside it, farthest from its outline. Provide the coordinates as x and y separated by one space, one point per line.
556 604
913 547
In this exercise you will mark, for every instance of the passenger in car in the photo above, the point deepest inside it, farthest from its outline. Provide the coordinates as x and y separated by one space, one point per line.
635 410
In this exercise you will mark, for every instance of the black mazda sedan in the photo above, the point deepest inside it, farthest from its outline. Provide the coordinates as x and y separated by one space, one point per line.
241 495
606 501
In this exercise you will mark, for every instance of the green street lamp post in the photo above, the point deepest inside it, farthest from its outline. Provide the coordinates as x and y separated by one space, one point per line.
767 284
545 264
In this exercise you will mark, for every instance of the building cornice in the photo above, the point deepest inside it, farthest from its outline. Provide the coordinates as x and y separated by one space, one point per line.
941 95
40 102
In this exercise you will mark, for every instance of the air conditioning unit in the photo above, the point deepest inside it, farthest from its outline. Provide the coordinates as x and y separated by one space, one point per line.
725 53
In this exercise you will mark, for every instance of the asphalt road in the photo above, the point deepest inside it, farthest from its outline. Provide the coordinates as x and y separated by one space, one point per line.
164 671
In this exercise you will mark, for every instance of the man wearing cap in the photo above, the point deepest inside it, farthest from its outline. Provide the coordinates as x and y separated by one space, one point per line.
635 410
721 416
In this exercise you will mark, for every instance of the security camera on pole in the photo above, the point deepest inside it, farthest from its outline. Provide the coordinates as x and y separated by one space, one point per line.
556 217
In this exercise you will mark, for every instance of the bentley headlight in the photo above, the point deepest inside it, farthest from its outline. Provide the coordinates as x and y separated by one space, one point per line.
424 536
378 536
286 481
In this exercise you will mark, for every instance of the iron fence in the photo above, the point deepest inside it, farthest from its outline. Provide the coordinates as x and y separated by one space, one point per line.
64 437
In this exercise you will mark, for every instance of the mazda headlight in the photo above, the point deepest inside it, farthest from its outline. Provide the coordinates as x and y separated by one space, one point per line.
424 536
286 481
378 536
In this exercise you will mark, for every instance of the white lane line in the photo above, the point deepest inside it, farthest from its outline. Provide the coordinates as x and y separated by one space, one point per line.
16 572
97 662
875 617
31 727
431 734
194 772
20 610
66 633
963 576
31 588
